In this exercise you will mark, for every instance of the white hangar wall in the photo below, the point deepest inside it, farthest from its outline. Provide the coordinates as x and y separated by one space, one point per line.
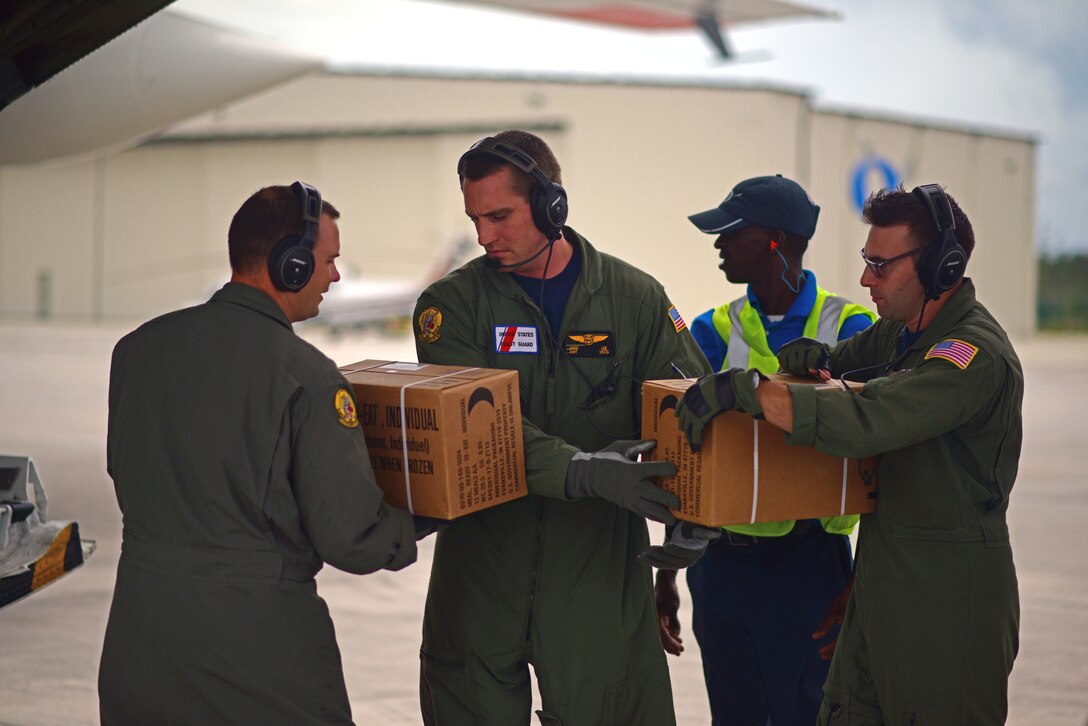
144 231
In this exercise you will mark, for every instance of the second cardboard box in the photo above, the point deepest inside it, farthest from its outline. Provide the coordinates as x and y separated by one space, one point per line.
746 472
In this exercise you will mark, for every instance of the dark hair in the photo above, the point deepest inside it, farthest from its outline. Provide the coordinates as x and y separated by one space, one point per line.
891 207
268 216
477 166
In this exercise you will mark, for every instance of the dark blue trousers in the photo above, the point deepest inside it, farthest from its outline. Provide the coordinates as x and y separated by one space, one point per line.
756 605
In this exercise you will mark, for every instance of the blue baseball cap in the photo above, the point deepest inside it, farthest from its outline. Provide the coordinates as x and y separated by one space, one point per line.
769 201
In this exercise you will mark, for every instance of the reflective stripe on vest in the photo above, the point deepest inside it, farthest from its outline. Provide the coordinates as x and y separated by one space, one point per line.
739 325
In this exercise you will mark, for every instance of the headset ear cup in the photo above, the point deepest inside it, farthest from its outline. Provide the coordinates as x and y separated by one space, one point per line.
549 208
941 265
944 260
291 264
926 266
951 266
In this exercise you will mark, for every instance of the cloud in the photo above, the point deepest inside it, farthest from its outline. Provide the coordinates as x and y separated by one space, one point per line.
993 64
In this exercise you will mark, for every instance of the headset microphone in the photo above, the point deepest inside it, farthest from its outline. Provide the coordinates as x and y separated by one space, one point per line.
492 263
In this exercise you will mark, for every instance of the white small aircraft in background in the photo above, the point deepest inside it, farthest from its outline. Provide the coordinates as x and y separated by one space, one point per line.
356 302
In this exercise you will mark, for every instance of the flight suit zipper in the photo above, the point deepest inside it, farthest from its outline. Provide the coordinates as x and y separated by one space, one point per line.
549 403
552 352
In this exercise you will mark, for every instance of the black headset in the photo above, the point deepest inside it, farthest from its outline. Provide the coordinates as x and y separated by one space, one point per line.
291 262
547 200
944 260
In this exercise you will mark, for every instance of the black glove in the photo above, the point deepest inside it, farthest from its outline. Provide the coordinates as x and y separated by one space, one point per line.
711 395
803 354
684 544
428 525
614 474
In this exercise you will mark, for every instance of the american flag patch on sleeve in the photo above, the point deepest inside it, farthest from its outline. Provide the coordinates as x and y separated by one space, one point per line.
954 351
677 321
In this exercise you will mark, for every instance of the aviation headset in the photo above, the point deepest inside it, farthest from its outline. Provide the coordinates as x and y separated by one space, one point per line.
291 262
944 260
547 200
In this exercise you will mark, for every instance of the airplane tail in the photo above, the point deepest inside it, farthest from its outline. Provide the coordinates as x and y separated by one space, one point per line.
455 254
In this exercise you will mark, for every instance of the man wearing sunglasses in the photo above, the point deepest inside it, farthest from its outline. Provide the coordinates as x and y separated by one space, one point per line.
930 630
762 589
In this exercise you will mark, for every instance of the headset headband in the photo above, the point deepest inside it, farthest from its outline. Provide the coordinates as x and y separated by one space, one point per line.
943 260
311 211
939 207
508 153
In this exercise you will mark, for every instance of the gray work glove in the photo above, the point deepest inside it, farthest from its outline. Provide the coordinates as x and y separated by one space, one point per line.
734 389
801 355
614 474
684 544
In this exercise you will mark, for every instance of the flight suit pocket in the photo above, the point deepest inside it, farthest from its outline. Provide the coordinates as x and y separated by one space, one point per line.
447 686
641 699
930 715
842 710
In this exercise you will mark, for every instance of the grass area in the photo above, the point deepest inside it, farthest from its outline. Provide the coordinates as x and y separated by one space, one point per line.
1063 292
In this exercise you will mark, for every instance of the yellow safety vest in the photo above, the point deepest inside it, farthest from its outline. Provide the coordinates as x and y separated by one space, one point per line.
739 324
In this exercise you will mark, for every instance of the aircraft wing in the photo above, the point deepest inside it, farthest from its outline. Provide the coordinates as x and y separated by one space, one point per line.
40 38
661 14
75 85
165 69
707 15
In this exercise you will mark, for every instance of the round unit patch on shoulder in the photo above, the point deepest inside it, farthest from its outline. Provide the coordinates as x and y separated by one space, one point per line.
345 409
430 324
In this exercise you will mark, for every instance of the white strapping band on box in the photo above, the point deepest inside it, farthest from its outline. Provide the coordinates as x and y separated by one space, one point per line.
755 475
400 368
404 431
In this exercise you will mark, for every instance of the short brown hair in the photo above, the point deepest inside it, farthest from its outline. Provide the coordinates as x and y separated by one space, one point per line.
477 166
891 207
268 216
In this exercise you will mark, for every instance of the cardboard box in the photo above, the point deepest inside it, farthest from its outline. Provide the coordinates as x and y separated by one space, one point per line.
444 441
746 472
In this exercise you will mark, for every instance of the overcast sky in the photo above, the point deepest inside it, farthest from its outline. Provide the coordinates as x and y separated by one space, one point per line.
1007 65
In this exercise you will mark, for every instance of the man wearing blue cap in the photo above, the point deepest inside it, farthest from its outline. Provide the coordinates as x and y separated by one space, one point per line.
762 590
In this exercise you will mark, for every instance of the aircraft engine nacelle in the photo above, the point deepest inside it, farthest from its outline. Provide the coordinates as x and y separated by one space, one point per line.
164 70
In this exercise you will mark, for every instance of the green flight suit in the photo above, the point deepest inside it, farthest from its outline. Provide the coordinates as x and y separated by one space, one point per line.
239 468
931 628
542 579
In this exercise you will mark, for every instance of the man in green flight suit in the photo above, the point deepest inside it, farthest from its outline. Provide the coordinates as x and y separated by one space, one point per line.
930 629
551 579
240 468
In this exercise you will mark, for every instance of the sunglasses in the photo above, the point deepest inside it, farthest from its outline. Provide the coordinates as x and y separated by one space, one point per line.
875 267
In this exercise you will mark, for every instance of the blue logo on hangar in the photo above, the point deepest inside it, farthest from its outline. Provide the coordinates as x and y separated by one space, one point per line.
870 174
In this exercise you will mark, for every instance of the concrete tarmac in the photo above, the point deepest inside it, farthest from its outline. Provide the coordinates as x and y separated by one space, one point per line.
53 386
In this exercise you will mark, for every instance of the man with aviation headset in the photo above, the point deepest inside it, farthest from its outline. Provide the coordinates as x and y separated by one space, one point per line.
763 589
551 579
240 469
930 630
